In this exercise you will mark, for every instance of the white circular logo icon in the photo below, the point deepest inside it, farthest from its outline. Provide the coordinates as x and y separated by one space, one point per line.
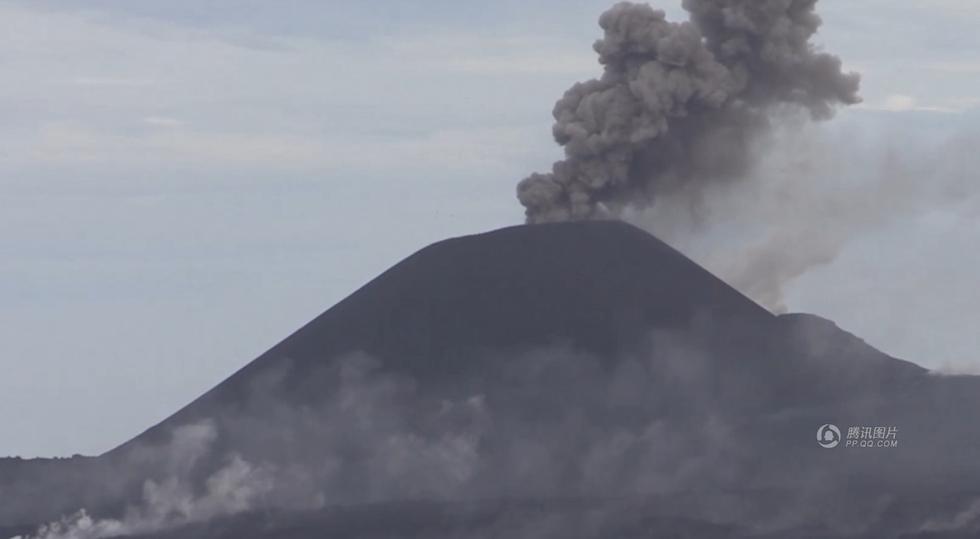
828 436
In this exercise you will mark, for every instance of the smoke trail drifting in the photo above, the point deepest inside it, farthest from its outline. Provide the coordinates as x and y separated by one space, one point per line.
679 104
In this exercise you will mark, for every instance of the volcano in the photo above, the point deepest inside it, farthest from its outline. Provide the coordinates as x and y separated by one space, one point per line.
452 308
555 380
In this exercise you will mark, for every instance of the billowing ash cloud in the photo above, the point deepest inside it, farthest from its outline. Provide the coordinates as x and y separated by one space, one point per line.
679 104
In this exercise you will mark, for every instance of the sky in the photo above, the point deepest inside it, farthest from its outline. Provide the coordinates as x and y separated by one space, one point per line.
184 183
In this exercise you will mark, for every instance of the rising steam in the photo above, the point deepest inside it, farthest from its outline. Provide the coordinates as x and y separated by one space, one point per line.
679 104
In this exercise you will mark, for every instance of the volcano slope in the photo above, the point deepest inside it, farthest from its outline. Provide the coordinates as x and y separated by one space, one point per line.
566 380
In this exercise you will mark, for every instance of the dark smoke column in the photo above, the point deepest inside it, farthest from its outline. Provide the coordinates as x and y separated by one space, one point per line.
678 104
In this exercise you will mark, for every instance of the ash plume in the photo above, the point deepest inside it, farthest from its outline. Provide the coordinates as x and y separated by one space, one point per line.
678 105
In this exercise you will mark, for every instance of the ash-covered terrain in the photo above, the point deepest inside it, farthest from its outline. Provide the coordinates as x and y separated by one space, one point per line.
558 380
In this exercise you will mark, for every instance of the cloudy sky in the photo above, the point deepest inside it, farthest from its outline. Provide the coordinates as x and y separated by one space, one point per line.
184 183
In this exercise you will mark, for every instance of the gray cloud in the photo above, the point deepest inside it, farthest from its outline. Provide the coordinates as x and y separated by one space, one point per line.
814 190
679 104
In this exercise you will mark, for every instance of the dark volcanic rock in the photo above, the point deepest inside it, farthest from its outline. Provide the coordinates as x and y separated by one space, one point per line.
597 286
588 366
